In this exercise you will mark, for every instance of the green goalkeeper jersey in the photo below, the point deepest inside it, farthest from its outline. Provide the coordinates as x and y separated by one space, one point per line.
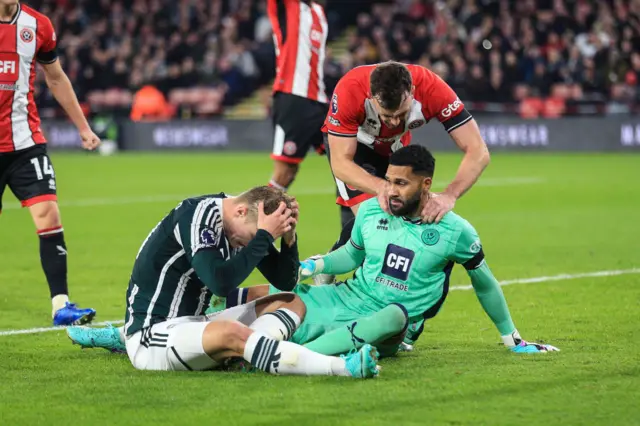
407 261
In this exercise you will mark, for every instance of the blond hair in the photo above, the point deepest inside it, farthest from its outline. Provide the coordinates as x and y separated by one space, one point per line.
271 198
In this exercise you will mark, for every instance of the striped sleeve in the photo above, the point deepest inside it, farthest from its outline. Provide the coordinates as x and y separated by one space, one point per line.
201 228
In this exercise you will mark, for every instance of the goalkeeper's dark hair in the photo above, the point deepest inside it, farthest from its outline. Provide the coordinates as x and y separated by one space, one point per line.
270 196
417 157
390 82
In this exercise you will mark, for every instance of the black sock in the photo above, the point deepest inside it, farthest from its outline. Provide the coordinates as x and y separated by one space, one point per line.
345 234
53 256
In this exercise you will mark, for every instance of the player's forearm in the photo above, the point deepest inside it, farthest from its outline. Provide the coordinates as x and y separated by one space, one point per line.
491 298
223 276
345 259
62 90
281 268
473 163
353 175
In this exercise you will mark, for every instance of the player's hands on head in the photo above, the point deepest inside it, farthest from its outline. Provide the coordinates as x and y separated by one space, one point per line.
437 206
277 223
89 139
290 236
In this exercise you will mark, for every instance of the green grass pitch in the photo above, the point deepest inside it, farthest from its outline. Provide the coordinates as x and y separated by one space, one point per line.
537 214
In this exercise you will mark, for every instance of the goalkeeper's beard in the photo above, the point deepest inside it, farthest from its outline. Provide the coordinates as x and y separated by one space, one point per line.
409 207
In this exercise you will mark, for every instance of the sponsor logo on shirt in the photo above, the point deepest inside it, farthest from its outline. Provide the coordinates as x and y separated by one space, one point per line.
8 67
383 225
392 284
334 121
475 246
451 108
397 262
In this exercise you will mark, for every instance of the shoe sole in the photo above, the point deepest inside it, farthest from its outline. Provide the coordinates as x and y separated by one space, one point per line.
113 351
86 319
370 364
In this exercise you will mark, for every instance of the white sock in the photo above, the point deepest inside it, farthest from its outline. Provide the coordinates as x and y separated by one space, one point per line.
57 302
279 325
288 358
121 333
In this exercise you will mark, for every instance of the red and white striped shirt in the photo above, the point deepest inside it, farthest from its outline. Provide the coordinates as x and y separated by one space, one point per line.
300 36
28 37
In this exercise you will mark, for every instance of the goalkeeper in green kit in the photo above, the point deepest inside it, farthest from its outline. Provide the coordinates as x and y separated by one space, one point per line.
402 269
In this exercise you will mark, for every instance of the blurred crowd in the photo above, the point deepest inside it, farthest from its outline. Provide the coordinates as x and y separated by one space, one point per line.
195 56
506 51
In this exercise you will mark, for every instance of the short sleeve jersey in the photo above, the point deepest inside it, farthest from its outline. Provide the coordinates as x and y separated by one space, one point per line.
352 114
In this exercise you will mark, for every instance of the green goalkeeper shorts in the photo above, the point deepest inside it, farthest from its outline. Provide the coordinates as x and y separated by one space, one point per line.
326 311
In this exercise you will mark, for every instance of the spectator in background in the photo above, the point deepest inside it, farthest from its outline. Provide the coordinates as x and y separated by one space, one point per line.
149 104
587 47
491 48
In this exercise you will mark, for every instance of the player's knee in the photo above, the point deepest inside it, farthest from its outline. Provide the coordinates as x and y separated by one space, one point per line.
397 317
229 335
256 292
298 306
45 215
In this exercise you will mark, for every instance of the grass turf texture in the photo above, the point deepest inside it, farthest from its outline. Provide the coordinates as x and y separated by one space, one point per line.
537 215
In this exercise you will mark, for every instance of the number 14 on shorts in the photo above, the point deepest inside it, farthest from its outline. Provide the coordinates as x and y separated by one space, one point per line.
46 169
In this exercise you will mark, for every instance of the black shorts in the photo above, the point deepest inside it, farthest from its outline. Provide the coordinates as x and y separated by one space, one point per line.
29 174
297 122
369 160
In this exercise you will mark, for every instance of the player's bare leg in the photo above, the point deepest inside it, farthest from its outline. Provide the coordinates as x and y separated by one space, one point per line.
237 297
277 316
283 174
229 339
53 257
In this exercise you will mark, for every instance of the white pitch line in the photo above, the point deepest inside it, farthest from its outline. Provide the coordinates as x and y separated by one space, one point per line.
149 199
560 277
45 329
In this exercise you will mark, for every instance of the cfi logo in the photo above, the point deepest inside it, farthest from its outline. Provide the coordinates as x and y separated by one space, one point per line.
26 34
415 124
383 224
334 104
430 237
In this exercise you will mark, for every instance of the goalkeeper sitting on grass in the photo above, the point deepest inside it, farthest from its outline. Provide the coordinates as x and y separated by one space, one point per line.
402 269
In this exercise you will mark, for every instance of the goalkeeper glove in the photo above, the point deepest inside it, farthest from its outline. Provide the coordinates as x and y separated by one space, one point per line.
310 267
515 343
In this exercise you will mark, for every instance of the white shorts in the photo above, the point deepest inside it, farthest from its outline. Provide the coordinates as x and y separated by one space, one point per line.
176 344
